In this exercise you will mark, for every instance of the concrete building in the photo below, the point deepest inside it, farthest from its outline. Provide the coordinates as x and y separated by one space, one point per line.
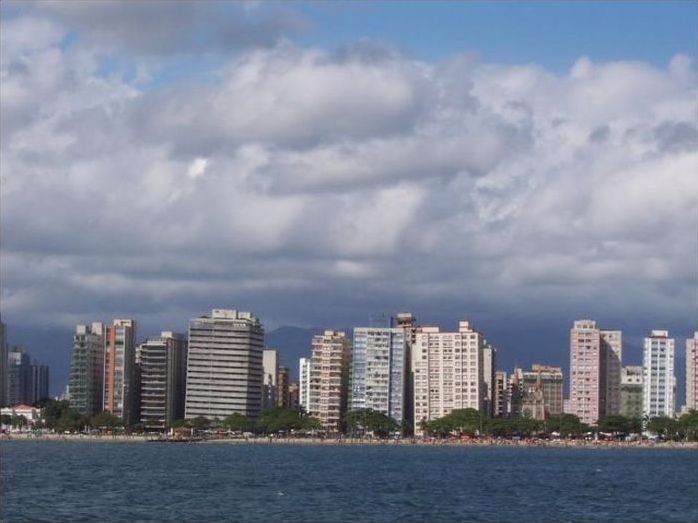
38 383
270 365
329 375
162 361
489 362
500 409
659 380
304 383
18 376
587 372
224 366
612 348
692 372
448 372
3 364
631 396
282 399
31 413
293 393
120 371
380 370
540 391
86 381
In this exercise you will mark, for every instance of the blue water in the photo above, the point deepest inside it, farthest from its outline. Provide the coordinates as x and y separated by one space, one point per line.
105 482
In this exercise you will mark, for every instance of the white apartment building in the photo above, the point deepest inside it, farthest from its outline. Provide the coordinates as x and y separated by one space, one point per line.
304 383
448 372
659 381
224 365
379 370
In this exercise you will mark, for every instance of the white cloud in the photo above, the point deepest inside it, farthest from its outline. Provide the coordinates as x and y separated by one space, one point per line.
310 181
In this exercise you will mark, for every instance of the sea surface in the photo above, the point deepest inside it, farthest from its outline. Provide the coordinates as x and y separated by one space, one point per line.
128 482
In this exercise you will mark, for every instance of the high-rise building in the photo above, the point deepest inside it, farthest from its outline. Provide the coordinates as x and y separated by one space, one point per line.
282 388
270 365
612 348
489 363
329 374
379 370
304 383
18 376
631 391
86 382
587 372
120 371
448 372
293 392
541 391
659 381
224 366
38 383
692 372
500 394
162 361
3 364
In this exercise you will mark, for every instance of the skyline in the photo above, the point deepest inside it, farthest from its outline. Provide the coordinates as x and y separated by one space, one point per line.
265 158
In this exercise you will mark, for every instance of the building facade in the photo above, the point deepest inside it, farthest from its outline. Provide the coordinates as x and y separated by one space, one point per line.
329 375
448 372
3 364
612 348
86 381
540 391
162 362
270 366
38 383
692 372
224 365
304 383
587 372
120 371
500 409
18 376
489 361
379 373
659 381
631 391
282 380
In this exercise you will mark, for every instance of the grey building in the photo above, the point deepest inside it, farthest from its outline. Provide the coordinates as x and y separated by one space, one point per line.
3 364
38 383
18 377
162 362
86 382
631 391
224 365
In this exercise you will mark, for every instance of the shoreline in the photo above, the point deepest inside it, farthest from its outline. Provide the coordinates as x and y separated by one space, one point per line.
486 442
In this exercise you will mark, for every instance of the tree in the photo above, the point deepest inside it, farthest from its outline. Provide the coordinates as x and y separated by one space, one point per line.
106 420
688 425
238 423
619 425
663 426
199 423
18 421
368 420
6 419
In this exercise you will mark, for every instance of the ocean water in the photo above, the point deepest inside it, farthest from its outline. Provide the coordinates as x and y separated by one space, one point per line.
128 482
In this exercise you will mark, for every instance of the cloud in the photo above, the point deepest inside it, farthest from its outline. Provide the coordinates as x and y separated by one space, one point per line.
170 27
313 186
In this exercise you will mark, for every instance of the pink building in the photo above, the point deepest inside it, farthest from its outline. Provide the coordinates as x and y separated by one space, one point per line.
587 372
692 372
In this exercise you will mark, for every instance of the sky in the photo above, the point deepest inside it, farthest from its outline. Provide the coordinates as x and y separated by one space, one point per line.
521 165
